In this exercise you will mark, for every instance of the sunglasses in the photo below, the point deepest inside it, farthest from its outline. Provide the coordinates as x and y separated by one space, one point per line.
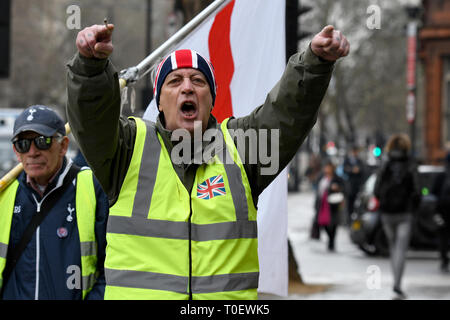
41 142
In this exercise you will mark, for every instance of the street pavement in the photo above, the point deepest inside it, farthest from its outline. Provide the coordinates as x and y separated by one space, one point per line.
348 273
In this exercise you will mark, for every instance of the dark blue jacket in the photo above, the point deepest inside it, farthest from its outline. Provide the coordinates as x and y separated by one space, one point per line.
47 267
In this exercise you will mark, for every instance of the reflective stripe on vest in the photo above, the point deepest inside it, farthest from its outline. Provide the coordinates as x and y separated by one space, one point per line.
86 203
163 242
7 200
85 210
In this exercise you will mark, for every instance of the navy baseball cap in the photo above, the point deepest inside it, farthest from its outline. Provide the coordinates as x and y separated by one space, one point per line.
40 119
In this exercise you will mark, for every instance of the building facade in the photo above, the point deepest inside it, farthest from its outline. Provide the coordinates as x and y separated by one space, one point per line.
434 52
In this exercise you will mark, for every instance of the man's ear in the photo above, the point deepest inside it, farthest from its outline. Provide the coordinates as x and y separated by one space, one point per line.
64 145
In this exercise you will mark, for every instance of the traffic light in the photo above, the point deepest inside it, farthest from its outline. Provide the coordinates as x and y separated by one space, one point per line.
294 32
5 6
376 151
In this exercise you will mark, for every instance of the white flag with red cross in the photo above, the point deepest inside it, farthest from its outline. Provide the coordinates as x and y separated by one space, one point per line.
245 42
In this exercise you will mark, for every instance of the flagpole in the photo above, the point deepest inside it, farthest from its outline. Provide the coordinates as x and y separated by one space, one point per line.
133 74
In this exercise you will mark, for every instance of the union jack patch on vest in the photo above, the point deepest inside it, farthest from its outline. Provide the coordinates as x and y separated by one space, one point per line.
211 187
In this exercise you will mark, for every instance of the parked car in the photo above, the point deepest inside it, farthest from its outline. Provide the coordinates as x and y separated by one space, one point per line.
366 230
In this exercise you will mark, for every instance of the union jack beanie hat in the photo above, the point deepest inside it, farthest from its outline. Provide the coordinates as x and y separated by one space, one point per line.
184 58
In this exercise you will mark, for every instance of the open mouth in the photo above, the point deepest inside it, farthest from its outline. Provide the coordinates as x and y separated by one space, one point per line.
189 110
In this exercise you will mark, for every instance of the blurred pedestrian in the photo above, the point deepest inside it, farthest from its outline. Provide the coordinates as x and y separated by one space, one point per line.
313 171
441 188
329 199
354 172
52 218
398 193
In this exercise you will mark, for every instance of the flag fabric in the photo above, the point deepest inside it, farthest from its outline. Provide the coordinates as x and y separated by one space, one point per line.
211 187
245 42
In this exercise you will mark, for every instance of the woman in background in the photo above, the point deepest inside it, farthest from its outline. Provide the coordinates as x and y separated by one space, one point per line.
329 198
398 193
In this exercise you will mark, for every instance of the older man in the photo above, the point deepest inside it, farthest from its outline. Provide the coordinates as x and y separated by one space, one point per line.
52 218
187 229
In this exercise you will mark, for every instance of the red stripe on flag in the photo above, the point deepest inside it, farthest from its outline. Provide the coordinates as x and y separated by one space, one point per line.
222 60
184 58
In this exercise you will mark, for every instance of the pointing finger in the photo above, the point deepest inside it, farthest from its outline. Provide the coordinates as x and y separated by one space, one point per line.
327 31
103 32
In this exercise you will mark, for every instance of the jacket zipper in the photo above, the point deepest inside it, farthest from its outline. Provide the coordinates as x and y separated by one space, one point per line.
38 244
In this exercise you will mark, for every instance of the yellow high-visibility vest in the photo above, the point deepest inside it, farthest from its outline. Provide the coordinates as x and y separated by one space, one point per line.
164 243
85 205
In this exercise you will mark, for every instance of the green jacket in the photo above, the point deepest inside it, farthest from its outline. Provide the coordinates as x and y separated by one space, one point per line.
106 138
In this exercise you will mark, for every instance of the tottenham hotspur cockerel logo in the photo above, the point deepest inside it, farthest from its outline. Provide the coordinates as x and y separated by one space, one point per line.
30 117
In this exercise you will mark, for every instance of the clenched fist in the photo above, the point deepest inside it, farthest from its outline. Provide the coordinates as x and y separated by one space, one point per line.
330 44
95 41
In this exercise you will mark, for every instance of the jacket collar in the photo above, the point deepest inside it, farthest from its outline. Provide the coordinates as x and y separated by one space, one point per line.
55 181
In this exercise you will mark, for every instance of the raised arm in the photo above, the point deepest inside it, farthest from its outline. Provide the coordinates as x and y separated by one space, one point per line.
93 108
292 105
